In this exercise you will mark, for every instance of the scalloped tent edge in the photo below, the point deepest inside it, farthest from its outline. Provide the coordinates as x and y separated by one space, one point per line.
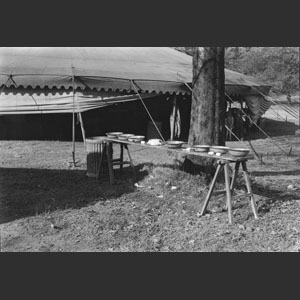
32 80
154 69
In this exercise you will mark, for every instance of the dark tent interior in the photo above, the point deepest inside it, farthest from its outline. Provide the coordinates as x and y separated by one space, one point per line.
130 117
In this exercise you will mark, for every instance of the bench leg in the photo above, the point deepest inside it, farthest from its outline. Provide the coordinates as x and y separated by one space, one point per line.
228 192
101 159
233 180
249 189
211 188
110 164
234 176
130 160
121 157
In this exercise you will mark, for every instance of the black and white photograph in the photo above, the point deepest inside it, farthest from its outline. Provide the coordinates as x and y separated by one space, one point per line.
149 149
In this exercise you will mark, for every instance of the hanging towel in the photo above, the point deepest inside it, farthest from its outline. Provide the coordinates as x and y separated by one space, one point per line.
177 127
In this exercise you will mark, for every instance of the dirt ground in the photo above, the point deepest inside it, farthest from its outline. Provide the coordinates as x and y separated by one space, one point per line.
48 205
284 112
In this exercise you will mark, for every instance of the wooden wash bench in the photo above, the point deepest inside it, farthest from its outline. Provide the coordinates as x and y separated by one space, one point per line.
223 162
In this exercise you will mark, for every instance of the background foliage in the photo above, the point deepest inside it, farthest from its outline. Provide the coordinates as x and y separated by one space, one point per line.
277 66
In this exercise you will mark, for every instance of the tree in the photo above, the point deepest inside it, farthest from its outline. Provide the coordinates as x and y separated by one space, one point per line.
277 66
207 125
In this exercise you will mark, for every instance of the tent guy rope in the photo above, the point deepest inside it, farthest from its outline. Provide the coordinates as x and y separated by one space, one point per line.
136 90
251 121
291 111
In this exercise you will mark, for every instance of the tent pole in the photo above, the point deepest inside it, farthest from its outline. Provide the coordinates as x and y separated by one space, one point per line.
73 139
73 118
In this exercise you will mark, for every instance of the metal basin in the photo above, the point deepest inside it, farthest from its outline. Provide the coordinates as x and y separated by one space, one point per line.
174 144
136 138
201 148
113 135
125 137
219 149
238 152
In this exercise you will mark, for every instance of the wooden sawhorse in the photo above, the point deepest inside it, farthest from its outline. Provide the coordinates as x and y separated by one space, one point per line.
108 152
229 186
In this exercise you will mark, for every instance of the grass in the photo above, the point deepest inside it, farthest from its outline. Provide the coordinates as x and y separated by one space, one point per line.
47 205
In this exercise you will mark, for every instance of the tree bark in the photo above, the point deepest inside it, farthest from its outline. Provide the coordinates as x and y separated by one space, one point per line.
207 125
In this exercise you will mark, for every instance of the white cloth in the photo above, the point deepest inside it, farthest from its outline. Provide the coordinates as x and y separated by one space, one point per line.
177 127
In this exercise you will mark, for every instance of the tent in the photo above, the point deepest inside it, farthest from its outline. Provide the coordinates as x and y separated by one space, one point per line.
74 80
41 80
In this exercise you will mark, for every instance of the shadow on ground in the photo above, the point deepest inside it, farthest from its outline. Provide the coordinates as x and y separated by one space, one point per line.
275 173
273 128
270 196
29 192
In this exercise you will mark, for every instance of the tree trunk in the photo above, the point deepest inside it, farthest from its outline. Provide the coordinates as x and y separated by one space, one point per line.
207 125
